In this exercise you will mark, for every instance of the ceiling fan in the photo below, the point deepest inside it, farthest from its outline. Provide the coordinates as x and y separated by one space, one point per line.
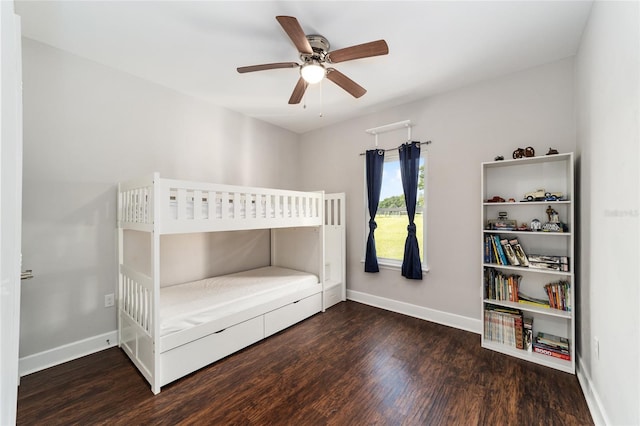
314 53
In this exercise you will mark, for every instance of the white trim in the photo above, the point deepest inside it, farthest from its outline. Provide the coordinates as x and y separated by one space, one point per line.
594 403
52 357
11 121
393 264
452 320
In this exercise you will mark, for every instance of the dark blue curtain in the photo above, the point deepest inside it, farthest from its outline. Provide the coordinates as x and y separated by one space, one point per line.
409 169
374 164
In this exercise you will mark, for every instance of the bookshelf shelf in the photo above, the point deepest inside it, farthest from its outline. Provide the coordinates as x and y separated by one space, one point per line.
537 234
525 269
505 321
531 308
528 203
549 361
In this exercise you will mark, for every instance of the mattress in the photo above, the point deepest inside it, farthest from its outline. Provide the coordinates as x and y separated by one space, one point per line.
186 305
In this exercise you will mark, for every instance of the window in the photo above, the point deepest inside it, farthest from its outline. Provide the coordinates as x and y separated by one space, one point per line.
391 218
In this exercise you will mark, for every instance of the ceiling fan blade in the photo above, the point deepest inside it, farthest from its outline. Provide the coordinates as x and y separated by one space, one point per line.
295 33
365 50
345 82
298 91
263 67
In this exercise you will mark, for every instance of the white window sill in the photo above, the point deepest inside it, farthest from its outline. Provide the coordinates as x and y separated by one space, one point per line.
394 265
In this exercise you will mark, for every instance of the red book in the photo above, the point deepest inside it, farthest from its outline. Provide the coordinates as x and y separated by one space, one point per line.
550 352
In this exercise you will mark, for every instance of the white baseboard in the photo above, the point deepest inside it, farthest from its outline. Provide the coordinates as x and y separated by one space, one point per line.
591 395
452 320
49 358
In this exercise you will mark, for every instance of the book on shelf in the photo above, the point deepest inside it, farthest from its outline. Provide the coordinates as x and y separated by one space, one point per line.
509 253
496 255
559 294
499 286
527 326
490 251
552 345
552 263
501 256
487 249
530 300
545 258
545 351
519 252
504 325
551 340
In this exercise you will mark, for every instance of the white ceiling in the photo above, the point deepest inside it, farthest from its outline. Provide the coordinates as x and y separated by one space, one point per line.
195 47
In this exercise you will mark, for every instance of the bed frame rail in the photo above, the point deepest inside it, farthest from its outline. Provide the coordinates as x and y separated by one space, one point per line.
136 298
136 320
135 204
187 206
196 206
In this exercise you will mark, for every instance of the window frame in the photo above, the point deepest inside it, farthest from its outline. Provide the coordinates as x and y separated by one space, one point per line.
388 263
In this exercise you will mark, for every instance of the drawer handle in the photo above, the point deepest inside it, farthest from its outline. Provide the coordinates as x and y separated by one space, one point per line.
218 332
297 301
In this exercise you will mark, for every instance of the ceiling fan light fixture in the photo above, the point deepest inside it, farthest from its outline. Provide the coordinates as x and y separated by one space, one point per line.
312 72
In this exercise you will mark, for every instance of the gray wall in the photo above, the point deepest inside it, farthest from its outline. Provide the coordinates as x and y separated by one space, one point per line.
608 111
87 127
467 126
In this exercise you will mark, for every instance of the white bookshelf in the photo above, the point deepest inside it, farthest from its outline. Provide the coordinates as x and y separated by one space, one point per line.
511 179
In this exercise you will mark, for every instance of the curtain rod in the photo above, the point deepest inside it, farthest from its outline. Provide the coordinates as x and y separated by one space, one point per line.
389 127
391 149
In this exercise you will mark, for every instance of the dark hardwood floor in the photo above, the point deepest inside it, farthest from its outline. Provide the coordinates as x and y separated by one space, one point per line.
352 365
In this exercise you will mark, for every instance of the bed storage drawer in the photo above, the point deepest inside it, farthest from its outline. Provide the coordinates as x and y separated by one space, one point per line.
292 313
194 355
332 295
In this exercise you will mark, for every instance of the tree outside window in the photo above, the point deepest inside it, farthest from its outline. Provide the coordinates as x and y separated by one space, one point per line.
391 217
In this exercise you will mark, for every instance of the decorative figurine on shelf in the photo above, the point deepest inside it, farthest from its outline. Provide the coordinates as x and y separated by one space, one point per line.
512 200
554 224
502 223
518 153
522 227
495 199
552 151
499 158
524 152
536 225
542 195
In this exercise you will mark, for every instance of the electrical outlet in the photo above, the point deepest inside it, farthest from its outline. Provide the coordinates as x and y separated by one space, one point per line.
596 347
109 300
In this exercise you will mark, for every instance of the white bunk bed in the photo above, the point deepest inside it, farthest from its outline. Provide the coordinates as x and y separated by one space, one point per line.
171 331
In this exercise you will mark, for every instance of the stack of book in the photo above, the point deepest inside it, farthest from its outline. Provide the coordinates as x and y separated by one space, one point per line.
530 300
552 263
509 252
504 252
504 325
551 345
559 295
499 286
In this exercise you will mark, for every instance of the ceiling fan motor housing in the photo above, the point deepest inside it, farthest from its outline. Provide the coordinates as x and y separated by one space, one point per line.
320 46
